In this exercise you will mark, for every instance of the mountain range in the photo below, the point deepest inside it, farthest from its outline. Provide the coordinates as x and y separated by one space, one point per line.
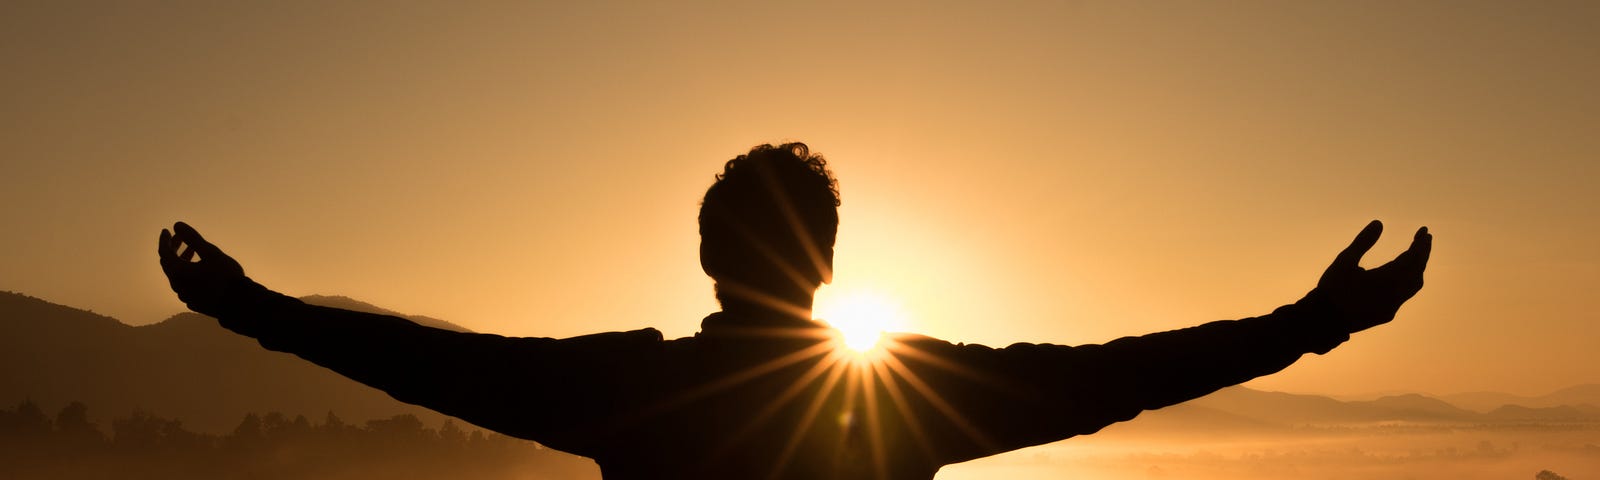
187 367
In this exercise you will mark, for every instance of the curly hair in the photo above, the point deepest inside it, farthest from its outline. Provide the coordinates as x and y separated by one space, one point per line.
793 154
770 220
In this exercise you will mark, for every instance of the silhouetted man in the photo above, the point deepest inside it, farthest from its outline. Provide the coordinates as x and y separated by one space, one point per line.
763 391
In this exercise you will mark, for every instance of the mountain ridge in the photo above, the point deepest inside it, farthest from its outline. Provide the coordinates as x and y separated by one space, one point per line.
184 367
1585 393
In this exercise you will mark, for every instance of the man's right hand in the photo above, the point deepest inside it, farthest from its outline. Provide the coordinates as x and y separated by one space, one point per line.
206 285
1370 297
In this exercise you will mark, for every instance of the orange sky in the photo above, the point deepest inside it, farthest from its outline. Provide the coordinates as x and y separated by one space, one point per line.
1018 172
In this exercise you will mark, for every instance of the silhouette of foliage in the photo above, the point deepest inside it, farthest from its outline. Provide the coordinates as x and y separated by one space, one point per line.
1548 475
271 445
75 430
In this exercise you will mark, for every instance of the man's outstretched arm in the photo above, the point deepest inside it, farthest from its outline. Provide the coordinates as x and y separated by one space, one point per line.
1040 393
532 388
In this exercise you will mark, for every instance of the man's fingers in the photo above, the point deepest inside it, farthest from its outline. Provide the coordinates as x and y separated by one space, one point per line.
1351 256
196 243
187 233
1416 256
164 245
1421 247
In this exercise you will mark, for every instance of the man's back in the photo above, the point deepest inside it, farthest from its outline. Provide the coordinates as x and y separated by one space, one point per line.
784 403
737 402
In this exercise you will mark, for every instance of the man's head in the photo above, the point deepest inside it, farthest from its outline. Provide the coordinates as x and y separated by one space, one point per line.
767 227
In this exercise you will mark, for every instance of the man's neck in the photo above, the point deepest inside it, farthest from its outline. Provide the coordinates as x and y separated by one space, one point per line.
760 303
756 322
784 313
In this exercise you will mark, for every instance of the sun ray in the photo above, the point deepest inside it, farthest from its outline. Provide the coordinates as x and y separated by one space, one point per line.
777 259
732 379
852 391
806 418
912 352
874 423
939 403
785 205
782 399
847 410
759 297
897 396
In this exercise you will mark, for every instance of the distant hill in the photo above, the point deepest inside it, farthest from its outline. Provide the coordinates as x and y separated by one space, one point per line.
1255 408
348 303
185 367
1588 393
1243 411
1280 408
1563 413
1414 407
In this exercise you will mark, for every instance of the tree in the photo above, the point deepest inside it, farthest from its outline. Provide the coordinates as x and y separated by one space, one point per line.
333 425
247 435
399 426
273 424
139 431
1548 475
74 428
27 421
174 436
452 435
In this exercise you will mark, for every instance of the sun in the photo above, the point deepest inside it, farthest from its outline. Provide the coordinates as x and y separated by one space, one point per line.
861 317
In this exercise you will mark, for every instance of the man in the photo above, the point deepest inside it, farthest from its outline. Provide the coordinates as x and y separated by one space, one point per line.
763 391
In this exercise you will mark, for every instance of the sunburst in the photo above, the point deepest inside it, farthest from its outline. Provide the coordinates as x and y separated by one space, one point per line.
861 317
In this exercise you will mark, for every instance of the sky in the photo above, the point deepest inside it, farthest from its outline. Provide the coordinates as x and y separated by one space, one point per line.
1061 172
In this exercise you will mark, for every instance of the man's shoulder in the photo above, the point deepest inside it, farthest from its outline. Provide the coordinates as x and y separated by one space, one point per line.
632 340
923 349
921 341
640 335
914 339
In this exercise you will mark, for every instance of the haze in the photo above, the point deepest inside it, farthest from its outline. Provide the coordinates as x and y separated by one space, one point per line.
1044 171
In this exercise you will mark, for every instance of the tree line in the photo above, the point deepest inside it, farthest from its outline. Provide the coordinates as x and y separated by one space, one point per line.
68 445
